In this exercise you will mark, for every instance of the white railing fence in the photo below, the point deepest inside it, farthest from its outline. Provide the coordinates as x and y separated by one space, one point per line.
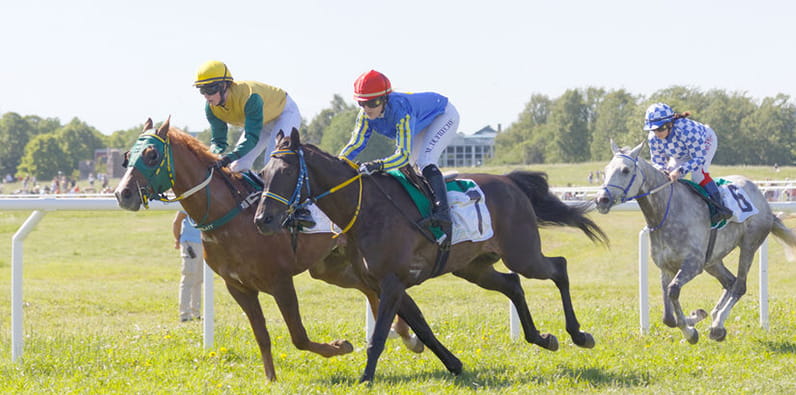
40 204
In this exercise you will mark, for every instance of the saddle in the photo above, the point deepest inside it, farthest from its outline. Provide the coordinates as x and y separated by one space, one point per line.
699 191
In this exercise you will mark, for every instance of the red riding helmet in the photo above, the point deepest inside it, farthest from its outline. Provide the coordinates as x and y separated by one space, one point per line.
371 85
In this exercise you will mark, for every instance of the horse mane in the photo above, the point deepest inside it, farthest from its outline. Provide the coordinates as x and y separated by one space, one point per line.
198 148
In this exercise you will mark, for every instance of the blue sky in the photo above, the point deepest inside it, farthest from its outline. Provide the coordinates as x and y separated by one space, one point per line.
113 64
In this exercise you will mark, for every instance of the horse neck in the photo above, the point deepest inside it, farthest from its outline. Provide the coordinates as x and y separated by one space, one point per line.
189 171
653 206
325 173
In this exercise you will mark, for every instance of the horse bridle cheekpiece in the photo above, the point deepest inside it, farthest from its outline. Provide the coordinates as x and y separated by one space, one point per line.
160 174
626 188
294 203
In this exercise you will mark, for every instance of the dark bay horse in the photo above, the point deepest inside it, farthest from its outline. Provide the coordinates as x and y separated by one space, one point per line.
680 233
383 226
223 204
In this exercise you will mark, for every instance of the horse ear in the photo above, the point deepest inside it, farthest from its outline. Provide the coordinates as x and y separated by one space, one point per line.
164 128
295 139
634 153
148 124
614 147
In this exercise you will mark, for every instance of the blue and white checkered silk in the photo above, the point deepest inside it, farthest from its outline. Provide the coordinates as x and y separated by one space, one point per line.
686 142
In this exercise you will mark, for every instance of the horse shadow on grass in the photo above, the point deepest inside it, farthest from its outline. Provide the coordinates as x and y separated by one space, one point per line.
496 378
780 347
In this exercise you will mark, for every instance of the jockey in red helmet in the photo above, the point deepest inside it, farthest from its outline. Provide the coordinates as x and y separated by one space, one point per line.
421 124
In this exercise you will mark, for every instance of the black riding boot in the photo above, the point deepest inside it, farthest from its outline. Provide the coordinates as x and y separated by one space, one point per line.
440 211
721 211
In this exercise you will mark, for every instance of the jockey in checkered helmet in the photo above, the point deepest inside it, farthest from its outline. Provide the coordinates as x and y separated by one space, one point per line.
679 145
657 115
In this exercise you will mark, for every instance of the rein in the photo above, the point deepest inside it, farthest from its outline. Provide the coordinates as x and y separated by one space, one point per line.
653 191
155 175
293 204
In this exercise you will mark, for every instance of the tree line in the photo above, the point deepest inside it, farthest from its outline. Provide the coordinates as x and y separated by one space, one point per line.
574 127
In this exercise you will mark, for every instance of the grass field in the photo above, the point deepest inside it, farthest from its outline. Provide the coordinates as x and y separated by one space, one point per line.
101 317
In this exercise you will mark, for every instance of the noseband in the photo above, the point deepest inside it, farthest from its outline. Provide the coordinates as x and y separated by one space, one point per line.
294 203
625 189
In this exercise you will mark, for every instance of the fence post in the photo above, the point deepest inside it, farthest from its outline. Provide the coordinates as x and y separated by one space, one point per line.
643 286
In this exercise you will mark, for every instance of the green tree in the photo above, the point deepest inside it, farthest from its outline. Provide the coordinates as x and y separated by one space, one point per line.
313 133
616 108
569 125
78 142
43 157
15 133
525 140
772 127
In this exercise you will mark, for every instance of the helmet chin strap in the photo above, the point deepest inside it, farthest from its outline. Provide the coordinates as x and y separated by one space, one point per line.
223 94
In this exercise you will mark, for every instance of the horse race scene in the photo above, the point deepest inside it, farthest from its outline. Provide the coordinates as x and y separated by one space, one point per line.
320 202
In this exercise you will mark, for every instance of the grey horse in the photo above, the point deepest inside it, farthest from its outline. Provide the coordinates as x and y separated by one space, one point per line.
680 234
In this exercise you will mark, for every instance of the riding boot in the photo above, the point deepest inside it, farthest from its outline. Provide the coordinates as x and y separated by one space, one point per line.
721 211
440 211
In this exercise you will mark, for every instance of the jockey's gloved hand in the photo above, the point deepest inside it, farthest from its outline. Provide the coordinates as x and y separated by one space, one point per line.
371 167
223 162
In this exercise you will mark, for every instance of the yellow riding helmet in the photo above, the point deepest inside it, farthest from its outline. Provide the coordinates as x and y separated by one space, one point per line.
211 72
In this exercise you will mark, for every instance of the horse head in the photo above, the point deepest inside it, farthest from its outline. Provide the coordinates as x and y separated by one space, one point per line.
623 178
285 179
149 167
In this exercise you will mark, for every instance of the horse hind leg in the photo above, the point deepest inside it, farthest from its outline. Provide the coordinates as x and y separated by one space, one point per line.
399 327
540 267
732 294
561 278
508 284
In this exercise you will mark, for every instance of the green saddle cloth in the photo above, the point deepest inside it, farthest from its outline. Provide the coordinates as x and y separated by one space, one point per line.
422 202
698 189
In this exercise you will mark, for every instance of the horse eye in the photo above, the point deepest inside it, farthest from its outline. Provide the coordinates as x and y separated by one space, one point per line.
151 156
626 171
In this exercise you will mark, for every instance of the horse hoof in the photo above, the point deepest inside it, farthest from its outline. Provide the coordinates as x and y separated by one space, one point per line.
344 346
585 340
454 366
549 342
696 316
413 344
718 334
692 336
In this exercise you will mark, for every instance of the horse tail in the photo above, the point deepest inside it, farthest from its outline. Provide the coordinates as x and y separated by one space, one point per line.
787 235
550 210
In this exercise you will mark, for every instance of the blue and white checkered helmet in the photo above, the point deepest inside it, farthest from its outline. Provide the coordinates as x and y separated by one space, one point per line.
657 115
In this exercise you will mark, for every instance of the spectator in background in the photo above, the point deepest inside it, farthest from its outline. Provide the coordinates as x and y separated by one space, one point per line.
188 240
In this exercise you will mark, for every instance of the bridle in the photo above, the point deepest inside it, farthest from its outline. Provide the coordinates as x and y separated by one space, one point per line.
160 177
625 189
294 203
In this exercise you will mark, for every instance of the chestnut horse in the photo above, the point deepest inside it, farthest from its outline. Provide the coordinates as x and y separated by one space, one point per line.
383 225
223 204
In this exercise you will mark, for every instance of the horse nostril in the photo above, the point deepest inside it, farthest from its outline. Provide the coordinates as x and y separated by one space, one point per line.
126 193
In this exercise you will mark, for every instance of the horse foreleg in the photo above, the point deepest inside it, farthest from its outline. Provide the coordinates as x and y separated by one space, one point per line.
389 298
414 317
285 295
399 326
247 300
687 272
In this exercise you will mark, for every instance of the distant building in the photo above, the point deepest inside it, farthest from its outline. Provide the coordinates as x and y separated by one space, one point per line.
470 150
108 161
